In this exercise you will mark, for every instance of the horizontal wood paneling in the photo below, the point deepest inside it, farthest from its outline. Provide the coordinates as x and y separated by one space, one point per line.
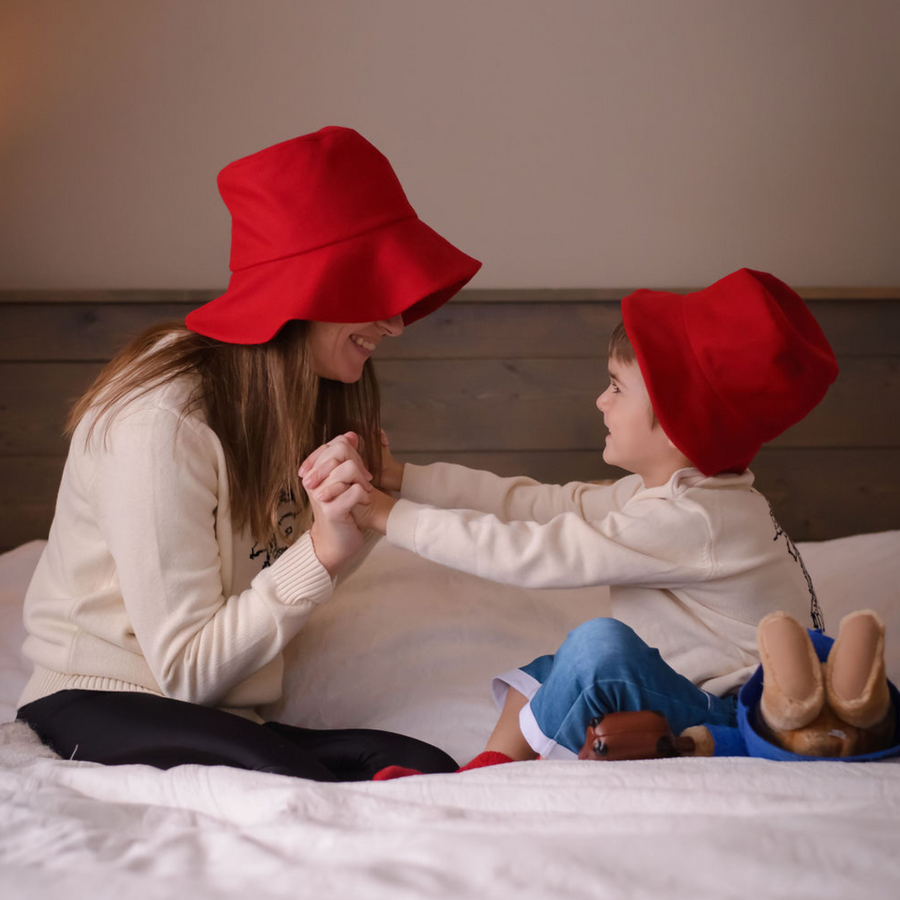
536 330
505 380
480 404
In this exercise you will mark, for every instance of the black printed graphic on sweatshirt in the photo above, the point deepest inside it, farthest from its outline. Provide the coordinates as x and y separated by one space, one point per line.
815 612
278 542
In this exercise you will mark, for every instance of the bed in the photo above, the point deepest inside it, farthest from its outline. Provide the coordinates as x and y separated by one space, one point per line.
410 646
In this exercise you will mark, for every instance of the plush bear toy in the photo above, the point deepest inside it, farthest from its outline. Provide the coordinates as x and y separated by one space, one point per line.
812 698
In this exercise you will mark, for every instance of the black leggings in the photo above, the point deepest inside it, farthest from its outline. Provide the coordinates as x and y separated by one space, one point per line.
120 728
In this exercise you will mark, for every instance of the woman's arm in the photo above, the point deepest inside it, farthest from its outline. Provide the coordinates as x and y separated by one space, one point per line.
158 496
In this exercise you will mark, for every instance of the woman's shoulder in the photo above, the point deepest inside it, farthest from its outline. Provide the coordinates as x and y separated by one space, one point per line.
168 405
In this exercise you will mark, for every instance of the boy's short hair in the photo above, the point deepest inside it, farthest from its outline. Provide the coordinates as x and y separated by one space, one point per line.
620 346
621 350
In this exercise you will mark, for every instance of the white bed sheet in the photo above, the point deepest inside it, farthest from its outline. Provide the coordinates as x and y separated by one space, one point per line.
411 646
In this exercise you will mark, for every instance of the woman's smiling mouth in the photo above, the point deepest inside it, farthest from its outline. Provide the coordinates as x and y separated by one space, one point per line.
362 342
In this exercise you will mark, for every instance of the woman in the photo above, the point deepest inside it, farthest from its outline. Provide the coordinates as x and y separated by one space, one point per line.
181 559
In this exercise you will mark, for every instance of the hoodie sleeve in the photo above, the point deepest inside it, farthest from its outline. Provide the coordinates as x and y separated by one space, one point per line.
519 498
649 542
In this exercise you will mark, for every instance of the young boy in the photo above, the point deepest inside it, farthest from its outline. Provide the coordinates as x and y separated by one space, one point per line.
691 551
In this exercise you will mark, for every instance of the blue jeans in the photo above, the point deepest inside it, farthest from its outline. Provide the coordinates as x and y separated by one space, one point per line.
604 667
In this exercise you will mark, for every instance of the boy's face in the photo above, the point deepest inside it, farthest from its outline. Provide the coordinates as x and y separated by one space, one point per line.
635 443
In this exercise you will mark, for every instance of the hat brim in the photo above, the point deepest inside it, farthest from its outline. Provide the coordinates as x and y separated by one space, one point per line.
405 268
681 396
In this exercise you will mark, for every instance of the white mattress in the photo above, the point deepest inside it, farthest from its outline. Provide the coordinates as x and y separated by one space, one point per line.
410 646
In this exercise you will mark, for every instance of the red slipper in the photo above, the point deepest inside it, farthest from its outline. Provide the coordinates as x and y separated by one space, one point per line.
485 758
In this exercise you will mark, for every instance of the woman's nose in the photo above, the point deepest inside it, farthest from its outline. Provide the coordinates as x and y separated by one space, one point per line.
600 401
393 326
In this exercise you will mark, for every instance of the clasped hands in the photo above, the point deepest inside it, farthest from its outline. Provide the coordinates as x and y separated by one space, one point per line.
344 501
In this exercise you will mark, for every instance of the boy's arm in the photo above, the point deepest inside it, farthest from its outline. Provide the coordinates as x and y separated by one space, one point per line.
450 486
666 548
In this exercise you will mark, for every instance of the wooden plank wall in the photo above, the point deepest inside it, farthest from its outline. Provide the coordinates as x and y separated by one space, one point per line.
504 380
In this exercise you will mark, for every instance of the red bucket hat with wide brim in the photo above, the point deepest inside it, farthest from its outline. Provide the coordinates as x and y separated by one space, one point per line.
322 231
729 367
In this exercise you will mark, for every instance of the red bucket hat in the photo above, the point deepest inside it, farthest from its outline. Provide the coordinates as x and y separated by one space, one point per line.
322 230
729 367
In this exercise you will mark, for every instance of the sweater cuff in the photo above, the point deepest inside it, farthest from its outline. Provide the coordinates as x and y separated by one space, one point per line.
298 574
401 524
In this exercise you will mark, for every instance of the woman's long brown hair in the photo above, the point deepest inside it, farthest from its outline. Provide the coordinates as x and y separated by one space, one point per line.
263 401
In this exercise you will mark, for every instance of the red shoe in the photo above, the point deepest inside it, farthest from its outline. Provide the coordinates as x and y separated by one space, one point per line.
485 758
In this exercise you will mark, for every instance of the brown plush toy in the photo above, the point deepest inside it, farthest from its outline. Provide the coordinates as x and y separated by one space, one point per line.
633 735
841 707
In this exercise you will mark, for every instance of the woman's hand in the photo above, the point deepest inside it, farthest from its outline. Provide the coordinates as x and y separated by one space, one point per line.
325 459
336 481
391 470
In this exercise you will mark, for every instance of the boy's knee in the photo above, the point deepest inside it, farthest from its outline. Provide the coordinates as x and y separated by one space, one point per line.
603 642
605 630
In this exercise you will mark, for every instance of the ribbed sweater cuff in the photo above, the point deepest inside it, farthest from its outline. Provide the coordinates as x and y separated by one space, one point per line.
401 524
298 574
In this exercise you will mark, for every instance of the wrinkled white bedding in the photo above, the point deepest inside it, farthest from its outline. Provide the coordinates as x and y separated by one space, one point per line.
717 828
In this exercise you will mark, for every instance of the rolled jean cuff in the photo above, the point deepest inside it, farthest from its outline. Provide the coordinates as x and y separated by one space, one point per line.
520 681
545 746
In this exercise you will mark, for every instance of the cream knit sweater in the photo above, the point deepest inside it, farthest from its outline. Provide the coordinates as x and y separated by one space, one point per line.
144 584
692 565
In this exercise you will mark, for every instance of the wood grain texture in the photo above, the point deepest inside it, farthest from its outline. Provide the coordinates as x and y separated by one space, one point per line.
480 404
91 331
504 380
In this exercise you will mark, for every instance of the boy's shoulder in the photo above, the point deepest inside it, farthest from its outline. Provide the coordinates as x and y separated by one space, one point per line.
691 495
691 482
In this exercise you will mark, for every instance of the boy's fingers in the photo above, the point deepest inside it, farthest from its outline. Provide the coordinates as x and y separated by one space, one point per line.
351 472
345 473
320 472
341 445
353 496
330 492
311 460
328 461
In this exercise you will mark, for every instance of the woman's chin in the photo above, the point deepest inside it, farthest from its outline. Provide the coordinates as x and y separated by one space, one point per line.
345 375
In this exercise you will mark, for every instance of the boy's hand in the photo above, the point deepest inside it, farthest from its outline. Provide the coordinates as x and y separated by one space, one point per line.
391 470
373 510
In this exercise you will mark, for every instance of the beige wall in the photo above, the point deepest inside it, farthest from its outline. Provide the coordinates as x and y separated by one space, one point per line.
567 144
